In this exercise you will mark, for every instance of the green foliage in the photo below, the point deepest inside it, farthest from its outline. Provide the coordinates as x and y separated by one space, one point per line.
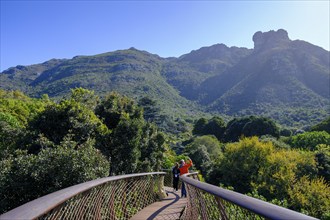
241 164
59 120
277 142
250 126
213 146
68 143
322 157
215 126
26 176
322 126
16 110
152 149
270 170
125 146
116 107
285 132
199 126
309 140
203 150
150 109
311 197
281 169
85 97
133 145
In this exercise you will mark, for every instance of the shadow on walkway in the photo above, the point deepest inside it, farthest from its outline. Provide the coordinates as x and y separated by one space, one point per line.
169 208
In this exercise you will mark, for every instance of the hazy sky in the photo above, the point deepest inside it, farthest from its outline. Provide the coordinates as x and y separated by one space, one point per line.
36 31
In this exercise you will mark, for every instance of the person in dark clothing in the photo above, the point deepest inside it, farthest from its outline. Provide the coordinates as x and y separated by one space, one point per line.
176 175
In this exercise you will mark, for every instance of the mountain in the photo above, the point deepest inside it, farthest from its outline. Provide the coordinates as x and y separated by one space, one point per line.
132 72
280 78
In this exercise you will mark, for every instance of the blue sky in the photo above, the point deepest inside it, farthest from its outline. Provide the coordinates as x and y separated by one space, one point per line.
36 31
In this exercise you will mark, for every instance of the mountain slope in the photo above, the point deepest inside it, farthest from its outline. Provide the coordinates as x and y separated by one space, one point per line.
279 75
280 78
131 72
189 71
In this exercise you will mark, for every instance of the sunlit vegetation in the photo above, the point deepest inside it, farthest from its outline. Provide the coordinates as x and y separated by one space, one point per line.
46 145
290 171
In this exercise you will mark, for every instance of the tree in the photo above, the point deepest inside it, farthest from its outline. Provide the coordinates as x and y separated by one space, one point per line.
150 109
322 156
24 177
152 148
215 126
133 145
309 140
241 163
212 145
234 129
16 110
250 126
199 126
310 196
125 146
258 126
281 170
10 132
201 158
115 107
20 107
85 97
322 126
59 120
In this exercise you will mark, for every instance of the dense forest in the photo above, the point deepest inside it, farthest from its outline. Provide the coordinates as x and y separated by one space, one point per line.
46 145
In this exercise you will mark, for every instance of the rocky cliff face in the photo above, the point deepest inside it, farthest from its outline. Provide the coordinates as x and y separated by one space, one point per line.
271 39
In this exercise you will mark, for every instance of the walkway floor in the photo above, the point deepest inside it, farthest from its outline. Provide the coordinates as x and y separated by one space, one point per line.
168 208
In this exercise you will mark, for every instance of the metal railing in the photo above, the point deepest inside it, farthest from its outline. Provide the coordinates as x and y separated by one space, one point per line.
118 197
206 201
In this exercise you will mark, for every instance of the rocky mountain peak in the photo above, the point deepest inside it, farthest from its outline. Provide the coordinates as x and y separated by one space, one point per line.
270 39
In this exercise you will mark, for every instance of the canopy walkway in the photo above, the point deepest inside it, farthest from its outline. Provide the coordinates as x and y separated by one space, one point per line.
143 196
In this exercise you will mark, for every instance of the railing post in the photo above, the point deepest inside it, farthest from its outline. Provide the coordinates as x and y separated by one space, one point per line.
111 205
221 209
161 189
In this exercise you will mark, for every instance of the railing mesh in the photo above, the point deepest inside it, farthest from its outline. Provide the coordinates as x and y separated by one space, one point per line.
205 201
203 205
115 199
119 199
123 196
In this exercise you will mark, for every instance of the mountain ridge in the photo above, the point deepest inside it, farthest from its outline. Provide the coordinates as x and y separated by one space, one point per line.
277 75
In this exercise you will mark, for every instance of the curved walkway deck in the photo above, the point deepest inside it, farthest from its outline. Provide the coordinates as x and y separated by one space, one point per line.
170 208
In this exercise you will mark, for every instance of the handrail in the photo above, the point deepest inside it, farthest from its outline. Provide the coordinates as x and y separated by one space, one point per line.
197 192
59 200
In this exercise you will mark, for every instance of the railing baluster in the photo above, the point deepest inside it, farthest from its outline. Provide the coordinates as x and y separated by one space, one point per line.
221 209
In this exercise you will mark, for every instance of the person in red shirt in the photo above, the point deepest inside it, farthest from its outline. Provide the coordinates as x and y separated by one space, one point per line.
184 168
